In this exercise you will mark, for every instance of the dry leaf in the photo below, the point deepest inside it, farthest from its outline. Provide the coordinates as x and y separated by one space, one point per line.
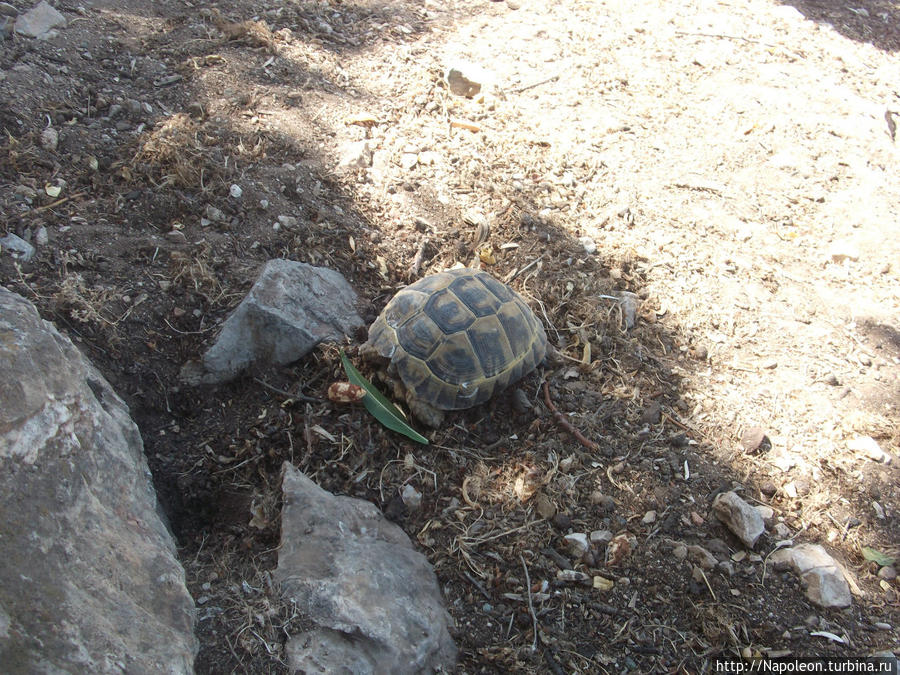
258 520
362 120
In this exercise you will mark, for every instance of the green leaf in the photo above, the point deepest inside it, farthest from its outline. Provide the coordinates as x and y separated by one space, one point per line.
877 556
381 408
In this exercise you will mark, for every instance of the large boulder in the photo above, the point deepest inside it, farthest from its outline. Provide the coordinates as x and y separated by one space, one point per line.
291 308
89 582
374 600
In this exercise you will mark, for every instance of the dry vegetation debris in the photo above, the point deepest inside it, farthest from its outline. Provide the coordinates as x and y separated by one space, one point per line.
697 200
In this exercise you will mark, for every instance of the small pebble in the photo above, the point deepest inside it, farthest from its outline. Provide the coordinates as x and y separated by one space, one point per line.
605 502
411 497
888 572
561 521
752 439
49 139
235 191
590 247
577 543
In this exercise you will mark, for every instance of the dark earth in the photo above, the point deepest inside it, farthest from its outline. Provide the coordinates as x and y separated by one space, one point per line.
699 200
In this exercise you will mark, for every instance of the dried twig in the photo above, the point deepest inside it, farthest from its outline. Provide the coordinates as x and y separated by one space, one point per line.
565 424
287 394
417 261
57 202
546 80
553 661
534 620
711 592
477 585
524 269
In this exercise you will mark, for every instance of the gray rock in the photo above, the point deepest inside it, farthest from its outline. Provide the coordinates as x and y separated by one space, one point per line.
89 581
39 20
601 537
7 9
821 574
467 79
374 600
702 557
741 518
20 248
291 308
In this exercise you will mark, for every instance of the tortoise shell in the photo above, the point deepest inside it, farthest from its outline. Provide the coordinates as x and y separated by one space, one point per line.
455 338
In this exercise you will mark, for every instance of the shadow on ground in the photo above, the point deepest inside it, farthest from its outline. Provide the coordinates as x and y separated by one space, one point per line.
502 483
876 22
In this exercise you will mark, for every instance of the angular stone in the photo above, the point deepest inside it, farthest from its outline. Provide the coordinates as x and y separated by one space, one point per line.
577 544
824 579
739 517
868 446
291 308
702 557
89 580
374 600
467 79
17 246
38 20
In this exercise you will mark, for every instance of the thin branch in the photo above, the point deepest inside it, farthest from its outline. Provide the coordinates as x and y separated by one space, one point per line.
534 620
287 394
565 424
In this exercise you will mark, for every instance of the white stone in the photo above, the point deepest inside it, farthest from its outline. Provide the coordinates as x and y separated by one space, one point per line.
357 155
823 577
577 543
411 497
590 246
868 446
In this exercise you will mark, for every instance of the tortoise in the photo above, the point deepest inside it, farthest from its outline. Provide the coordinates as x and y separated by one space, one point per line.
451 340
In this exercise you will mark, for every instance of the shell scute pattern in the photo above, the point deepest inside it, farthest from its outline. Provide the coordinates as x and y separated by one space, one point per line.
450 315
455 338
